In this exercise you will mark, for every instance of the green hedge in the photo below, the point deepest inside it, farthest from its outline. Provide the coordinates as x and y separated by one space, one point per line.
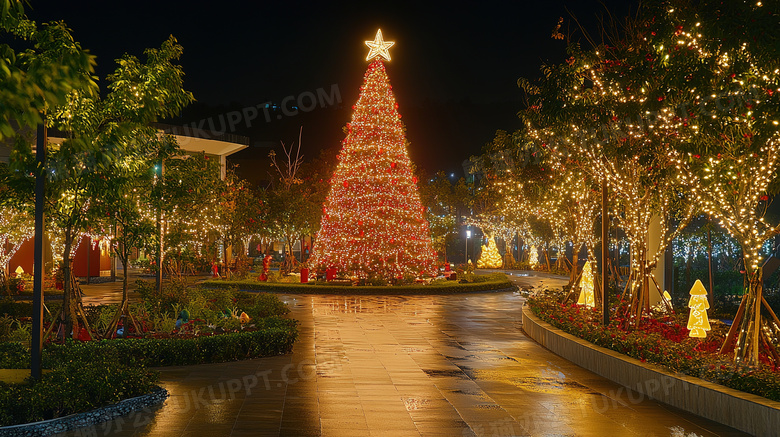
274 336
494 281
72 388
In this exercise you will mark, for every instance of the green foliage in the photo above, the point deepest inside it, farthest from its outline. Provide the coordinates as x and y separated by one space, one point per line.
73 387
40 74
208 304
272 336
442 198
100 316
14 355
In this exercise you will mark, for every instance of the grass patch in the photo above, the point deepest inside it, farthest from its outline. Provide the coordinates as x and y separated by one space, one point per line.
493 281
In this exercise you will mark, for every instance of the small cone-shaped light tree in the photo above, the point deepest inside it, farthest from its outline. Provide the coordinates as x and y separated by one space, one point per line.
586 287
533 258
372 219
490 257
698 322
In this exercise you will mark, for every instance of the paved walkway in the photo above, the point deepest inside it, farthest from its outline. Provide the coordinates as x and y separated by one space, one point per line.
404 366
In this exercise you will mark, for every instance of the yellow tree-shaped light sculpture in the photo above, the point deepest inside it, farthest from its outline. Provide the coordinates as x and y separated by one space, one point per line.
586 287
490 257
698 322
533 258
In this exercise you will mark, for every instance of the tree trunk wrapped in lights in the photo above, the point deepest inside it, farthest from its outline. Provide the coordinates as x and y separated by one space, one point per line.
15 228
372 221
732 187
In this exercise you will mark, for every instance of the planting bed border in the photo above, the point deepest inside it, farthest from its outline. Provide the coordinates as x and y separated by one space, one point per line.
295 288
744 411
89 418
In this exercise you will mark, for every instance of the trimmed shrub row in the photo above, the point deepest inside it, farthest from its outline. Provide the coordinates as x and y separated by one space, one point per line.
276 337
72 388
273 336
494 281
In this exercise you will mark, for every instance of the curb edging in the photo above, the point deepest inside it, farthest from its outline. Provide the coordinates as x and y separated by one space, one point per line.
744 411
80 420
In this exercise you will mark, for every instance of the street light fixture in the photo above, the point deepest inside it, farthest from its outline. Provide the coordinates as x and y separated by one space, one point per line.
468 235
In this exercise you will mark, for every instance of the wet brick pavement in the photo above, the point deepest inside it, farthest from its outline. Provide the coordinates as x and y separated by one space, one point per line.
456 365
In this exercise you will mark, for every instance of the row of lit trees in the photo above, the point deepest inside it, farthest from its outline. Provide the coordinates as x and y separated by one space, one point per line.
113 176
677 114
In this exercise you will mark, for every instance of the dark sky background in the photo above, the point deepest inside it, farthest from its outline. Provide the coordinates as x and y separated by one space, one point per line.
454 65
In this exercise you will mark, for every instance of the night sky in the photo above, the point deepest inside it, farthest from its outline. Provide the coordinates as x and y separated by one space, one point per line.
454 69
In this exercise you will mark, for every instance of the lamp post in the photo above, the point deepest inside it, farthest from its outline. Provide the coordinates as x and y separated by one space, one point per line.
468 235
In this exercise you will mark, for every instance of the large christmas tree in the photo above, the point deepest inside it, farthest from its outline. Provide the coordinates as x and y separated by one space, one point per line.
372 221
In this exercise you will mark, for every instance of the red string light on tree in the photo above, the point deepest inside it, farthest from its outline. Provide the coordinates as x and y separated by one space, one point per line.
377 226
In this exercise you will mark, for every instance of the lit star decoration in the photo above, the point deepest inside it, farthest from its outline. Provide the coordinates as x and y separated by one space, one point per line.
379 47
372 219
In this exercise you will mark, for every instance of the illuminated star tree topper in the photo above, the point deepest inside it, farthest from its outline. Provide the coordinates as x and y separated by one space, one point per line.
379 47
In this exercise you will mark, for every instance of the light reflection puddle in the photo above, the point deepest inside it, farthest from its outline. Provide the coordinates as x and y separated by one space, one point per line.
549 385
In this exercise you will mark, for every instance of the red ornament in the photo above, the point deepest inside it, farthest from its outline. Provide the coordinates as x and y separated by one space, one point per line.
346 184
414 179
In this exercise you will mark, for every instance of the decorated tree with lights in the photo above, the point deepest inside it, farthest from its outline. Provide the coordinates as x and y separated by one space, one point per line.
729 139
294 204
101 134
16 227
441 199
490 258
588 112
372 220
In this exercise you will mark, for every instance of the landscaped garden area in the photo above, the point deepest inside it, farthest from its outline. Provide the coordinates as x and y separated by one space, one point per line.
183 326
644 164
466 282
662 339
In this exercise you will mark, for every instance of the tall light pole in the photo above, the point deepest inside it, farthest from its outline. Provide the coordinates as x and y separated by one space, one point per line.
468 235
36 344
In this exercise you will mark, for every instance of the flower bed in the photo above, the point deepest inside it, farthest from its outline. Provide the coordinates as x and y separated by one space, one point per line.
663 341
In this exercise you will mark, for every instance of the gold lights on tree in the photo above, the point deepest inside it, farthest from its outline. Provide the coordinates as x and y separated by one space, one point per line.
373 222
379 47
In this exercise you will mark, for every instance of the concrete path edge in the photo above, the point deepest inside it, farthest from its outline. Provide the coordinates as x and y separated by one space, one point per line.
747 412
80 420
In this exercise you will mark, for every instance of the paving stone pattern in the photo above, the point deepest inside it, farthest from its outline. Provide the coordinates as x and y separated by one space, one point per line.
454 365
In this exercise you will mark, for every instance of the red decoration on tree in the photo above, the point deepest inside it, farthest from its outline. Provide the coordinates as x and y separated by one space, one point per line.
396 237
